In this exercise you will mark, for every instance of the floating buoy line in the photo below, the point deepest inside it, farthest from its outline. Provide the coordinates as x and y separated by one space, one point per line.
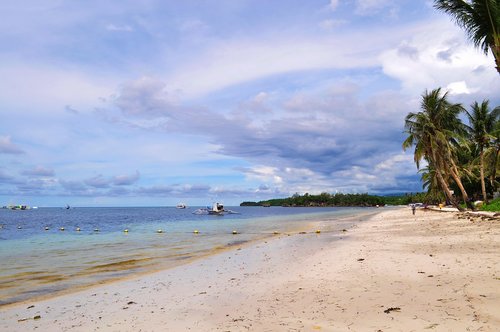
196 231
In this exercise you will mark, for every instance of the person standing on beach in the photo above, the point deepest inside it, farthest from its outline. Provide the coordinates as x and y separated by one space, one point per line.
413 207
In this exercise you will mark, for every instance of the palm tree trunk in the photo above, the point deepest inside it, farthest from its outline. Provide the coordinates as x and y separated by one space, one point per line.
439 166
494 170
481 172
456 178
446 189
497 60
496 51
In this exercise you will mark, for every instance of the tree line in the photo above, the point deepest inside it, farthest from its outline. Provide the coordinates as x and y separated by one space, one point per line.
323 200
461 159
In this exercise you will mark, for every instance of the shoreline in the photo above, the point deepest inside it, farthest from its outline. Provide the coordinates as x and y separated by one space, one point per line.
308 226
27 276
393 271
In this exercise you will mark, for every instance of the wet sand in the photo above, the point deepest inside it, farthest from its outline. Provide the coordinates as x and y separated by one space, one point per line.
395 272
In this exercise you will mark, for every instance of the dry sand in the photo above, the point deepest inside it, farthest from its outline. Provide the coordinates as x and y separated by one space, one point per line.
395 272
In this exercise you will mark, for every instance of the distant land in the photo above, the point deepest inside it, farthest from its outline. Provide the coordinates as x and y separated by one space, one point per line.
326 199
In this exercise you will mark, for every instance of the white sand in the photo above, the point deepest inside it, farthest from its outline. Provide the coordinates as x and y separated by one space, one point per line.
430 271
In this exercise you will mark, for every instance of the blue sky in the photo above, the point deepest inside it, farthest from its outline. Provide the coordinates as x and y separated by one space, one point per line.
133 103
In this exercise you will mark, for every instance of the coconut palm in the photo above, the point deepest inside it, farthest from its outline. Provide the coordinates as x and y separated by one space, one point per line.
482 122
435 132
429 179
431 182
492 156
481 21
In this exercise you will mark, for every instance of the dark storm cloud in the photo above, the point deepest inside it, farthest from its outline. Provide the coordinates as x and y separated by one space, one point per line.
333 131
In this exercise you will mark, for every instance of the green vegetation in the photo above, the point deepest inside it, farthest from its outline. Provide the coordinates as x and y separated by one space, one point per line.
344 200
493 205
325 199
250 204
461 160
411 198
459 157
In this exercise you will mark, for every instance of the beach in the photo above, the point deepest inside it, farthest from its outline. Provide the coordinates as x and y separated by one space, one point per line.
395 271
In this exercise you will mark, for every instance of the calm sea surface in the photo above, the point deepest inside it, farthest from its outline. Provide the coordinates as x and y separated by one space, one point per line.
38 258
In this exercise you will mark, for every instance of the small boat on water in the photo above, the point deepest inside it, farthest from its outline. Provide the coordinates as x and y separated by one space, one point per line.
17 207
181 206
217 208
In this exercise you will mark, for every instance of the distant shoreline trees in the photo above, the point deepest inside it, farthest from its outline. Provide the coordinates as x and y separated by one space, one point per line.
323 199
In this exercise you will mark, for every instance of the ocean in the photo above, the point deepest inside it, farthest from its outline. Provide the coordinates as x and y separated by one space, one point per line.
47 251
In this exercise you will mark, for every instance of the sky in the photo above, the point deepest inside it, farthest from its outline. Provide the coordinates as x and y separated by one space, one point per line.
155 102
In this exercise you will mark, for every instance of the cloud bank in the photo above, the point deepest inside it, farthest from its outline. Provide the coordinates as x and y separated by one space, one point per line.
129 104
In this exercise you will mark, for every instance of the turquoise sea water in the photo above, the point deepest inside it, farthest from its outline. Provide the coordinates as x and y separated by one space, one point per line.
38 258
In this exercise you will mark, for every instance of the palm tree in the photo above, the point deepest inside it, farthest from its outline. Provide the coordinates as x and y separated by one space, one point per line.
481 21
491 156
431 182
482 123
435 131
429 179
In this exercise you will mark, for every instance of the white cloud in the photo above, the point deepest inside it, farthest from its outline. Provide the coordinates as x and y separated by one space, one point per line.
145 96
371 7
394 163
97 181
8 147
50 88
251 105
194 26
113 27
126 179
457 88
331 24
333 4
232 62
427 60
39 171
264 174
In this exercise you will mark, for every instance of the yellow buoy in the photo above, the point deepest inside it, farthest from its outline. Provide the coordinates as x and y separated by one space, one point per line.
318 231
195 231
125 231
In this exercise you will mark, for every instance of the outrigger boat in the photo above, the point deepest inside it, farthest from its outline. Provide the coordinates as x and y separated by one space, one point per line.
217 208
